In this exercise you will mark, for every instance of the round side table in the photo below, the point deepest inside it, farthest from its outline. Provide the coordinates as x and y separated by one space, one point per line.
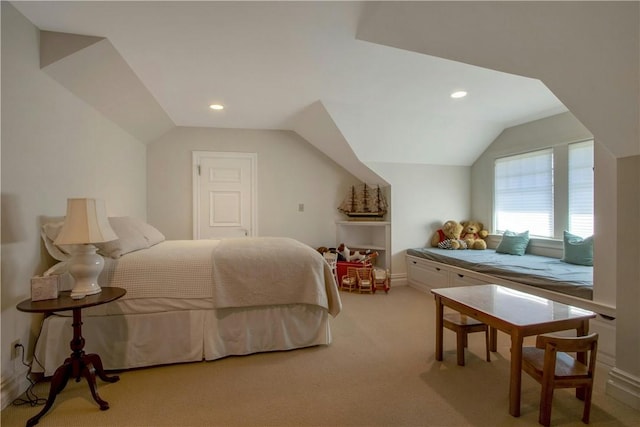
78 364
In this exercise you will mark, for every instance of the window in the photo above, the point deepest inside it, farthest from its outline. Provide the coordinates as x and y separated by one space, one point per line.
524 193
525 184
581 188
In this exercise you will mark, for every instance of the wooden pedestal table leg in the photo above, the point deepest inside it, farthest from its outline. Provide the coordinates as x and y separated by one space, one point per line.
87 365
92 365
89 373
95 360
76 366
58 383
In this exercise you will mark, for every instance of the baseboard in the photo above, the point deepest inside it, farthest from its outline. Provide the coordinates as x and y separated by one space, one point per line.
606 329
624 387
11 388
608 361
399 279
422 288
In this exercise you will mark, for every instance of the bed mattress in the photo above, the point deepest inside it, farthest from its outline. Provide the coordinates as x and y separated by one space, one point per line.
533 270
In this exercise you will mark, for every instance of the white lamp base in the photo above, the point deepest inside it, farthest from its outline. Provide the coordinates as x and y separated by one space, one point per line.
85 268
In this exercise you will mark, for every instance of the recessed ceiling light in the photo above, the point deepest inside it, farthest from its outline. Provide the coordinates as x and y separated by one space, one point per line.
459 94
216 107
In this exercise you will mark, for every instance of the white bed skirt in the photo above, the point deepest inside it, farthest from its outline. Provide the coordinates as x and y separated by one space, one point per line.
140 340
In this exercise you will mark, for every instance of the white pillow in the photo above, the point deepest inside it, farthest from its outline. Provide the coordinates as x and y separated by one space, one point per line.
49 233
133 234
130 238
152 234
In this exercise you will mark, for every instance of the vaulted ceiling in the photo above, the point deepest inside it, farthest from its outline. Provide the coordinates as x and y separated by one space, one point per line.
298 66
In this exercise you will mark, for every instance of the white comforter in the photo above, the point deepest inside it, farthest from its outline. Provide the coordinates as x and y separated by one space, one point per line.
180 269
226 273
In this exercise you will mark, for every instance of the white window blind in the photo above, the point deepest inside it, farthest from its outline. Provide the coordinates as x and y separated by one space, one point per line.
524 193
581 188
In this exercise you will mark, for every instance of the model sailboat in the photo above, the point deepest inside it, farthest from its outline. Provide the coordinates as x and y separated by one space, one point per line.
364 202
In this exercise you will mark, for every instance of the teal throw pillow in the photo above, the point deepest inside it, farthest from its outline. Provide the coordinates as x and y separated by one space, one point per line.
513 243
577 250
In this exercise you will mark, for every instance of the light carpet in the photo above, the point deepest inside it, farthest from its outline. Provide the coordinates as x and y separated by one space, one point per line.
379 371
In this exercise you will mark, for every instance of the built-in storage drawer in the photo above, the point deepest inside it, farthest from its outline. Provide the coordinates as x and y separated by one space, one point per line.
431 275
426 274
458 277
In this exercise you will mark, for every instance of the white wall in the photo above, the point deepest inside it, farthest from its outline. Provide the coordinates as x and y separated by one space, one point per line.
290 171
54 146
628 212
423 197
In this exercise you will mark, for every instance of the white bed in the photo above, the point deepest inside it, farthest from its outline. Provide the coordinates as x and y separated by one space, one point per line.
197 300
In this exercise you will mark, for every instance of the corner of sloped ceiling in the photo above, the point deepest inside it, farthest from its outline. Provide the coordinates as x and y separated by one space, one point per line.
427 28
93 70
316 125
478 38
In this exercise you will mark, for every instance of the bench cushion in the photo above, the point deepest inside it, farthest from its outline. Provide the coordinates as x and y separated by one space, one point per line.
533 270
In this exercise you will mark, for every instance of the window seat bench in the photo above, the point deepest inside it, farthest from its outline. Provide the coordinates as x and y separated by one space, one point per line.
537 271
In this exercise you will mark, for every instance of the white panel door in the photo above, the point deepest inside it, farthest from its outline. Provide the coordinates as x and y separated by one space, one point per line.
224 195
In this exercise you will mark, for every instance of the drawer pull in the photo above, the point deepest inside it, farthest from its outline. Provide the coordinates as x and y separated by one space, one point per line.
460 275
414 262
437 268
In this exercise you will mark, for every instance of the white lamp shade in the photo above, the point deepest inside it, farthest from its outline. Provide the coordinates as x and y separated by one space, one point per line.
86 222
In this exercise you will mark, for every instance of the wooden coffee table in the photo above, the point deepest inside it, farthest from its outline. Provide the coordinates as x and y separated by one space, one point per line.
78 364
515 313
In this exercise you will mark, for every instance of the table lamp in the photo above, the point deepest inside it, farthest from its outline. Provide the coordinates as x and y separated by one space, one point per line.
86 223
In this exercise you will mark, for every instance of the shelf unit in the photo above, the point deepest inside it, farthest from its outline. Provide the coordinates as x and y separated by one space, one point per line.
374 235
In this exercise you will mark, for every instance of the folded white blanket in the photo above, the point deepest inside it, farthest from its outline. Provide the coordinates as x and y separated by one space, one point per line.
272 270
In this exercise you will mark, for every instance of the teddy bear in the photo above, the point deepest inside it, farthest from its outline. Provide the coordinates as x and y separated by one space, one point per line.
473 233
448 237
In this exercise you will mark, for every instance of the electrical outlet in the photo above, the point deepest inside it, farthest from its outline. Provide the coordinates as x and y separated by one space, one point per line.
15 349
